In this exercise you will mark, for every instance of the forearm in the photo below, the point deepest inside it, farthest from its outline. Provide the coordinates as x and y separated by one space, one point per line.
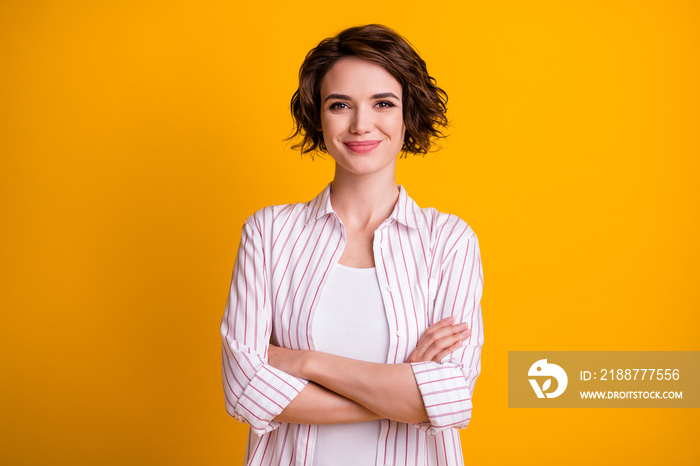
389 390
357 389
318 405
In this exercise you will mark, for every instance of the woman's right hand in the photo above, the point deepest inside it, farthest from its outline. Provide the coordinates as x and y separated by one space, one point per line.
439 340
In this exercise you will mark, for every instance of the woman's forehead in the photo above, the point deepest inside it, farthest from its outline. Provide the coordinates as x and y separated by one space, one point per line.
358 78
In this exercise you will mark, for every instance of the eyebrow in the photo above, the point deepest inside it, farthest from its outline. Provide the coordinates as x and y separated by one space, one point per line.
383 95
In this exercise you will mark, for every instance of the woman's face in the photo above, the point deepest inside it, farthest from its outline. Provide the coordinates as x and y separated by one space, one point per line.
362 117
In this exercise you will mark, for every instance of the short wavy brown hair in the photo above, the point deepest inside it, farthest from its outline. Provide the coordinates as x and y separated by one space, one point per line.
424 103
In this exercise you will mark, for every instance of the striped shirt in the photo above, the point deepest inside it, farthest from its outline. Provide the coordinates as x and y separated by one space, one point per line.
429 268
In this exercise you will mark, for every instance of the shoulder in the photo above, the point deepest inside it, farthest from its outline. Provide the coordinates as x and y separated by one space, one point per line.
453 242
289 217
439 227
444 227
276 216
448 235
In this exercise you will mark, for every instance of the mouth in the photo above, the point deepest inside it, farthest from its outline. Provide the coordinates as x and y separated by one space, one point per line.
362 147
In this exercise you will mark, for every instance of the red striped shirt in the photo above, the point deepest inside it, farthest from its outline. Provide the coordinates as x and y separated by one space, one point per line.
429 267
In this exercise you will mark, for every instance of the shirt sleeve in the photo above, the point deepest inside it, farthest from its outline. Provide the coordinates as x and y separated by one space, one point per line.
254 391
447 387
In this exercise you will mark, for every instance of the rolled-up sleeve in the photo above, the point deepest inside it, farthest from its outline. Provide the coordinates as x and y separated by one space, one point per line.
254 391
447 387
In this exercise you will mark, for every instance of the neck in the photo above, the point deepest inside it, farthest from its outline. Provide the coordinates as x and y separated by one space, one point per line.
363 201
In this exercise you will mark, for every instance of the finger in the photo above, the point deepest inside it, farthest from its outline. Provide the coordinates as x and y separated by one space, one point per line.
446 322
441 340
440 331
437 326
433 335
437 338
449 320
417 356
449 350
441 345
443 348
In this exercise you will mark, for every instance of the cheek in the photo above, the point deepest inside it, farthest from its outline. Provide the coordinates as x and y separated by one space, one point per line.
329 126
400 125
393 127
400 129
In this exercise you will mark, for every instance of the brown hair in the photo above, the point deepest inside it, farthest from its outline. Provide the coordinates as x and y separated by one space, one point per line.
424 104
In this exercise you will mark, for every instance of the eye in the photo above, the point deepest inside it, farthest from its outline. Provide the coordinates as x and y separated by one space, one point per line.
338 105
385 104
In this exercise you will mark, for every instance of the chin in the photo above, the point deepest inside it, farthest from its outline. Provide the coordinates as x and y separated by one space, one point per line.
360 169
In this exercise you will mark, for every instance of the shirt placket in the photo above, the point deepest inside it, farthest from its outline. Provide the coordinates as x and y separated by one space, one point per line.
387 287
396 332
306 438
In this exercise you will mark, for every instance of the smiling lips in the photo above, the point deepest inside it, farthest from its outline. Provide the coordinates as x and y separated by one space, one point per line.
362 147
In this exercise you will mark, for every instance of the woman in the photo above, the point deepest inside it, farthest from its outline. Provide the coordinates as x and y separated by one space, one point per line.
353 332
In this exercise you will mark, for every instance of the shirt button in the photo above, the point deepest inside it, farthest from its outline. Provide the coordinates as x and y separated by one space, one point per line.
399 333
390 288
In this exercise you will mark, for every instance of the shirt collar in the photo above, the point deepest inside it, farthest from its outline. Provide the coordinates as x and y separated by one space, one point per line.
406 211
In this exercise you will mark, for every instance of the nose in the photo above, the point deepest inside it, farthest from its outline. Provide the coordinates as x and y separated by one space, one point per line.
361 121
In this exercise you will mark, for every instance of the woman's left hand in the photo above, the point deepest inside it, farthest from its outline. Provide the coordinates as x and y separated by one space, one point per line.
439 340
287 360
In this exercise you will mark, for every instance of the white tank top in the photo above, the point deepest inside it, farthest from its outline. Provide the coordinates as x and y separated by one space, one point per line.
350 321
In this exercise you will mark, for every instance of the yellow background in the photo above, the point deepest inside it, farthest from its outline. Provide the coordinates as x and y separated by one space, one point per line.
136 136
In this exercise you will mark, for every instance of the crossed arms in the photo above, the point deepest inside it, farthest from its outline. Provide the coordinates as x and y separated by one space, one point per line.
347 390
